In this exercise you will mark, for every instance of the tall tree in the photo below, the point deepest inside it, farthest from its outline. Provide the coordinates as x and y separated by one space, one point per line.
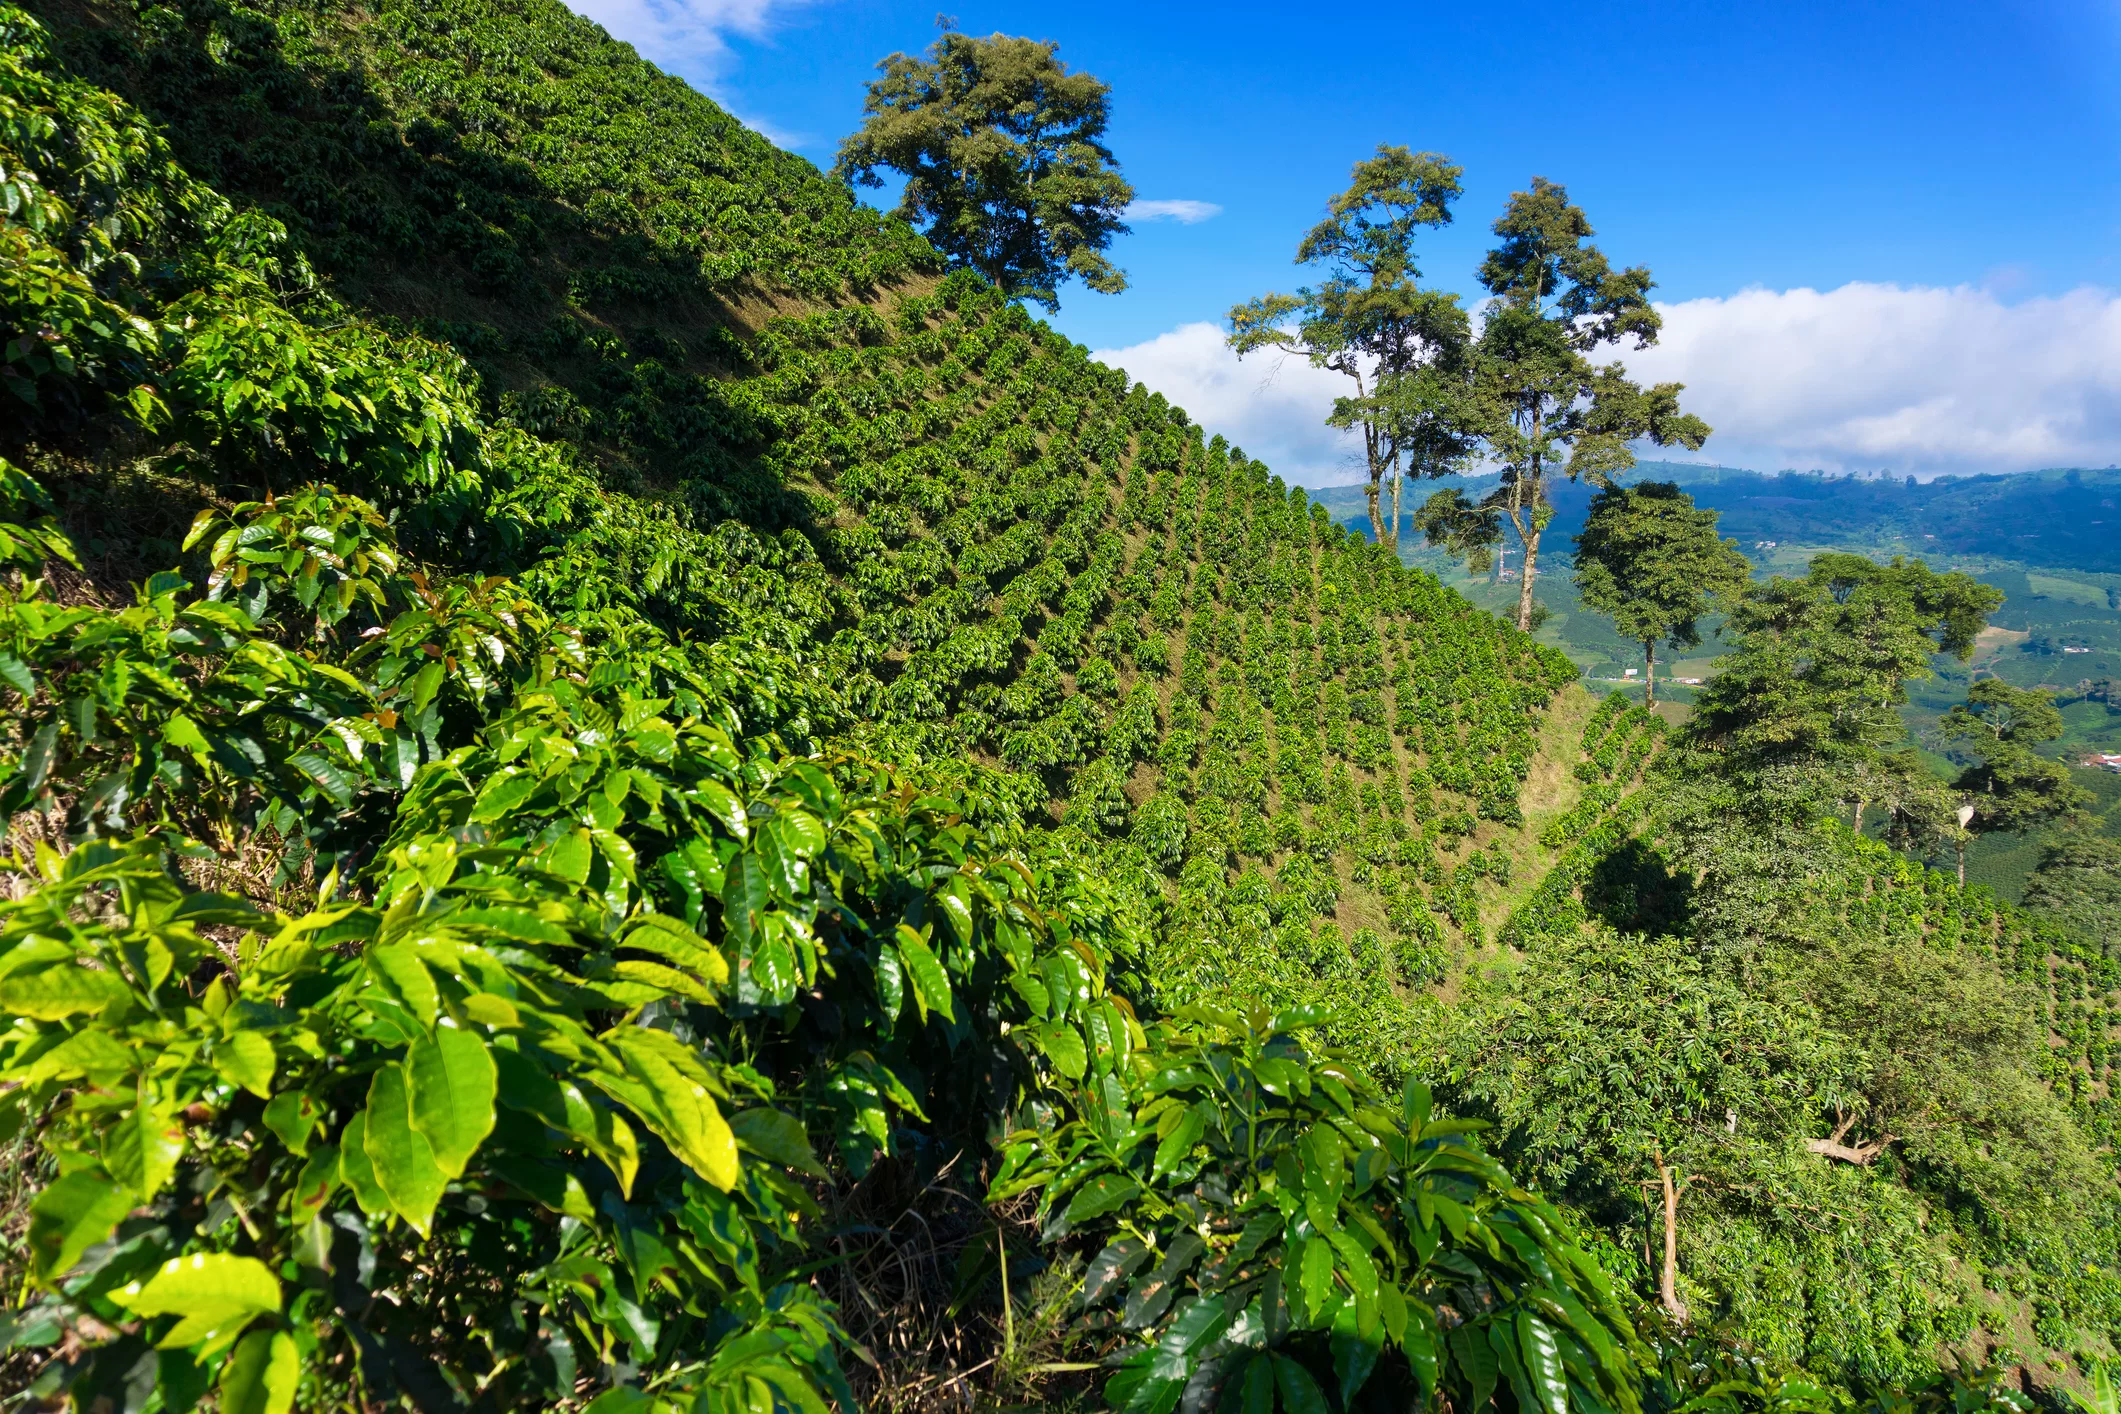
1649 559
2010 786
1823 662
1403 347
1003 153
1795 725
1549 409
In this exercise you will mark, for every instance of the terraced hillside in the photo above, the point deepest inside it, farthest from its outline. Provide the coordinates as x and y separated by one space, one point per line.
999 546
625 796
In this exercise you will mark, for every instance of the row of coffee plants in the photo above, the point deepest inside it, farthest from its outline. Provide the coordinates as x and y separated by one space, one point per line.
1003 539
1208 668
415 989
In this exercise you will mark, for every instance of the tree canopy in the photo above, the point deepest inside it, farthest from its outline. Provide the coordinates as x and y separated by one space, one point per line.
1005 165
1651 561
1548 409
1403 346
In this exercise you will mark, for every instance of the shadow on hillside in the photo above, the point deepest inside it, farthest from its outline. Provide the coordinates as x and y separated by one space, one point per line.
429 224
1633 891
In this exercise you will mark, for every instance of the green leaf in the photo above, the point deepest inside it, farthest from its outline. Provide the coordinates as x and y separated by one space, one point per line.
503 793
569 856
1256 1385
1064 1047
291 1115
1325 1173
1101 1195
1317 1276
1542 1362
57 992
663 1088
404 1162
1392 1307
1470 1348
246 1059
36 765
798 832
776 1136
890 982
76 1212
1420 1342
931 985
1300 1393
404 978
1172 1149
1122 1257
357 1172
452 1095
216 1293
261 1374
319 1179
1354 1360
1416 1103
141 1150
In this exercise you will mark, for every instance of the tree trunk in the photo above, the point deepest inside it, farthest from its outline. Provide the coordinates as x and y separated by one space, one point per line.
1668 1279
1374 464
1398 481
1649 672
1531 563
1856 817
1962 863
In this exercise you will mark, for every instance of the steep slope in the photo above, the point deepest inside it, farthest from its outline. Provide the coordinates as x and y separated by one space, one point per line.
428 984
833 587
1002 548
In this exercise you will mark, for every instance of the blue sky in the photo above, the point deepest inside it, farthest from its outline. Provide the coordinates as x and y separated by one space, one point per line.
1885 156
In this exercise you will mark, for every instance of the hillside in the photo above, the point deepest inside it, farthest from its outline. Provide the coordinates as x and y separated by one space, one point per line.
709 815
2037 537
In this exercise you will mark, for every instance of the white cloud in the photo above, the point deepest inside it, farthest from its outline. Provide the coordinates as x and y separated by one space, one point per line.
690 38
1865 377
1186 213
1271 404
1909 379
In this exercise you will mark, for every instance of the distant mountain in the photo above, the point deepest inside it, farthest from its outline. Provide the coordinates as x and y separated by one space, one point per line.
2064 518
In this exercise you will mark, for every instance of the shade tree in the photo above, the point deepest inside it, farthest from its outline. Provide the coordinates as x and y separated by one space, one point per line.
1651 561
1547 409
1370 320
1002 150
2009 786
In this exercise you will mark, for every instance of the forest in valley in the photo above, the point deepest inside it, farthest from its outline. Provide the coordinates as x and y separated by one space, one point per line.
631 788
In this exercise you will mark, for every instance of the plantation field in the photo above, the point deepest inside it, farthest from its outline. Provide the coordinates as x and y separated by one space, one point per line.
632 791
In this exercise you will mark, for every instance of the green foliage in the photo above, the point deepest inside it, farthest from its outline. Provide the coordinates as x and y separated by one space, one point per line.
1003 155
1652 563
362 1084
2010 787
2078 883
1290 1233
1369 320
1545 404
1823 661
567 857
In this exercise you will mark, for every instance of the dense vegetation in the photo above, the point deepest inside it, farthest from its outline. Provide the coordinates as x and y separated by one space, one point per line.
623 796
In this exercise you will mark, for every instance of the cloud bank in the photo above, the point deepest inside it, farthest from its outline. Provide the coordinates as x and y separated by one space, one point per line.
1186 213
1916 380
1866 377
